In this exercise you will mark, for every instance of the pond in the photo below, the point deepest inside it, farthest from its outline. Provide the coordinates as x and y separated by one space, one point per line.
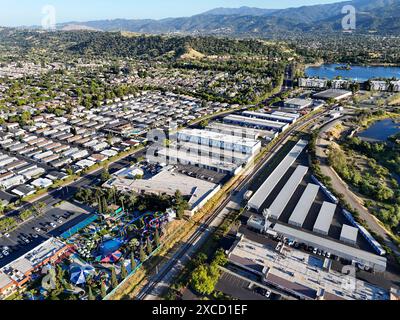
357 73
380 130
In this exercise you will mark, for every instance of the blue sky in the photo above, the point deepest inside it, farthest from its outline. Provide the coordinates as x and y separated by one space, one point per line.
29 12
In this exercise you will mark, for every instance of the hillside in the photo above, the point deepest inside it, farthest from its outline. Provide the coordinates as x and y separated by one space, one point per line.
380 16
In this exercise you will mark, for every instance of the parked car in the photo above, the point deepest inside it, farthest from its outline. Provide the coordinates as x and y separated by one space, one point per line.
53 225
7 235
38 229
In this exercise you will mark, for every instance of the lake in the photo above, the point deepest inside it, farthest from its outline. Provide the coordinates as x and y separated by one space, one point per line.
357 73
380 130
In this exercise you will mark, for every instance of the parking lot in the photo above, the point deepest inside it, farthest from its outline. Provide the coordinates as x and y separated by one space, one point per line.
241 289
54 222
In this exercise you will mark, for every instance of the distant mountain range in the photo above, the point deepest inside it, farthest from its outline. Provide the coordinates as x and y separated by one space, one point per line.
377 16
242 11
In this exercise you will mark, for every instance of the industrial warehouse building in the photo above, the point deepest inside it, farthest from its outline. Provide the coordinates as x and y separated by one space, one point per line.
271 117
304 205
349 234
168 181
234 130
378 263
210 150
173 155
335 94
256 123
298 104
281 201
218 140
325 218
300 274
270 183
214 153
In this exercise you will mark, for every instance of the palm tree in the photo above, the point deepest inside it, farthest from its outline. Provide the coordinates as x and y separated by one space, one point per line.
132 202
149 246
114 281
157 238
122 199
133 262
32 293
134 243
91 296
142 255
124 273
103 290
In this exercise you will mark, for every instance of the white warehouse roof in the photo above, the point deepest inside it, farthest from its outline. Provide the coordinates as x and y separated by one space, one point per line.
304 205
287 192
266 188
204 134
267 116
257 122
349 234
325 217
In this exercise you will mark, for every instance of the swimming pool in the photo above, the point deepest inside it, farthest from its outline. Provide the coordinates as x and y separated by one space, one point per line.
110 246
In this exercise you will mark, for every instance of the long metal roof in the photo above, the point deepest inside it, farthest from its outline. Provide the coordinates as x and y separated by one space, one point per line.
270 183
325 217
267 116
287 192
256 122
304 205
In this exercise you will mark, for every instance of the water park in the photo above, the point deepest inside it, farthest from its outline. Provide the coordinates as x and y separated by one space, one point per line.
105 249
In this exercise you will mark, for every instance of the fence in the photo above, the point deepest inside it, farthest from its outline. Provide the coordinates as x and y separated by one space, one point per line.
364 232
325 190
131 274
75 229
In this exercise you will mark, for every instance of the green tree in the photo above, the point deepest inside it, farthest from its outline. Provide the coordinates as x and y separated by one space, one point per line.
1 208
91 296
204 279
26 214
134 243
149 246
200 259
105 175
142 254
181 205
220 258
39 208
103 290
124 273
204 123
157 238
114 280
133 261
